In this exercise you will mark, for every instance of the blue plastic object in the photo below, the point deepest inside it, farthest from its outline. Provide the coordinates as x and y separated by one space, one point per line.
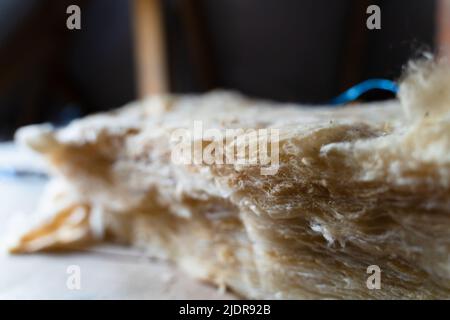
356 91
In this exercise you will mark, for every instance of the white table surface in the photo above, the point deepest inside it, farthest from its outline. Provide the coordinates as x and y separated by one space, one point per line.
106 272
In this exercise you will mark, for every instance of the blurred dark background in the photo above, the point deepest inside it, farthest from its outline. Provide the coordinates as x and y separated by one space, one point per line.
305 51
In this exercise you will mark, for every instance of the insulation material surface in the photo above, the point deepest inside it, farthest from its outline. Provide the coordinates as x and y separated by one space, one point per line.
356 186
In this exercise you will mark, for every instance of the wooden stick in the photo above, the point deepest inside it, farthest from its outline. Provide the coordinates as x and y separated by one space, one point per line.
443 28
150 51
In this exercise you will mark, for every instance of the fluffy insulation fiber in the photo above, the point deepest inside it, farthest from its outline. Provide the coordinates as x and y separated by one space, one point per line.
355 186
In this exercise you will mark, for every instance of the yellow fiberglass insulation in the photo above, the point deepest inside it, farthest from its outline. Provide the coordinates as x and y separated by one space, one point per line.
351 187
